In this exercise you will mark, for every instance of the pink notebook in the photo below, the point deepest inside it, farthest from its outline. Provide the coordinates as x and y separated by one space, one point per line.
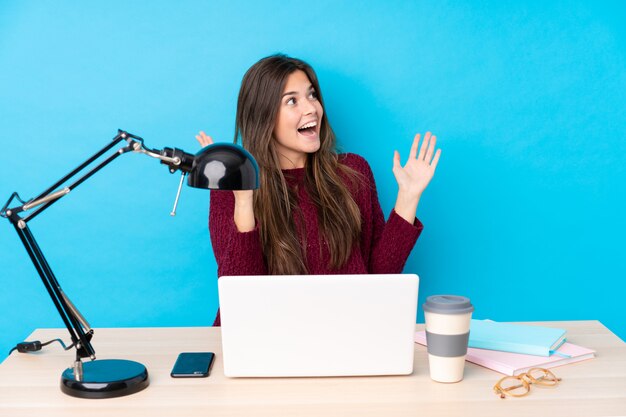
515 363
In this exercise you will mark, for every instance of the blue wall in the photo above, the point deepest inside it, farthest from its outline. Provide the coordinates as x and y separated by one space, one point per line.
525 214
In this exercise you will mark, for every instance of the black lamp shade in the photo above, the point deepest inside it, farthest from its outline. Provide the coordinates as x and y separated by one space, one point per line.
224 166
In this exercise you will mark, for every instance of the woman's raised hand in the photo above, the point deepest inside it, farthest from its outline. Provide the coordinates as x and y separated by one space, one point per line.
415 175
204 139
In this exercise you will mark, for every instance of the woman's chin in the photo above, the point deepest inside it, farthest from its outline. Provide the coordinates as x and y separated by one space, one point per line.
309 144
313 147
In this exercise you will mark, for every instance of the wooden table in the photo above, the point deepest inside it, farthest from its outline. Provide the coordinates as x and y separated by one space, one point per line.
29 383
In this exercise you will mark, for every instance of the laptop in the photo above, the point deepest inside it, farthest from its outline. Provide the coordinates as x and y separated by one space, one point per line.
318 325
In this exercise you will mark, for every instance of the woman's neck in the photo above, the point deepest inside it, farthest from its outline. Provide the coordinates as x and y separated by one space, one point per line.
291 163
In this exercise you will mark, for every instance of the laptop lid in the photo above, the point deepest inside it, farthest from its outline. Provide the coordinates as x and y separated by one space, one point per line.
318 325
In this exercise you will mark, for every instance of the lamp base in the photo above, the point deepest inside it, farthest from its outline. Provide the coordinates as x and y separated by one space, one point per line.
106 378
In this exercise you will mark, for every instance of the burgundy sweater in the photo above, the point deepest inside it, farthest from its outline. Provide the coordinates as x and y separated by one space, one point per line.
384 246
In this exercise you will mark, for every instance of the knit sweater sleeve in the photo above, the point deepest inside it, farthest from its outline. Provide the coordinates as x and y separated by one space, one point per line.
397 239
236 253
391 242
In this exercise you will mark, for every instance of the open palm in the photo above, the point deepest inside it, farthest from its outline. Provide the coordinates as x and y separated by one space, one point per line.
415 175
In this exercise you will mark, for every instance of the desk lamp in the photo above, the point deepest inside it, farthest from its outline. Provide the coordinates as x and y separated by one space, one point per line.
218 166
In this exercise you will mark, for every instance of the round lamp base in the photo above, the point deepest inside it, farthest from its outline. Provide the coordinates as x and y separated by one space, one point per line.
106 378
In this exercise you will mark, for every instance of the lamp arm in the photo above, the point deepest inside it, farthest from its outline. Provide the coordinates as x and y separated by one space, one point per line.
61 193
53 196
164 158
77 325
117 139
80 337
81 319
175 158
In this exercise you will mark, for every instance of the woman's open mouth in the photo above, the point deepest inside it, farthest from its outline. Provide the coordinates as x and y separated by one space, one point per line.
308 129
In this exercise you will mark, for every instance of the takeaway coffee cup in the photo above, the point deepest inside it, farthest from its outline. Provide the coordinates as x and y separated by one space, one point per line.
447 333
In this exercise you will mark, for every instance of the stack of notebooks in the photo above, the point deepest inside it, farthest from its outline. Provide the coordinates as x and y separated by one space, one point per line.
513 349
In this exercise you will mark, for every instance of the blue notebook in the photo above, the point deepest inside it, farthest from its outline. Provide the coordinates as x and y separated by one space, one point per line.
516 338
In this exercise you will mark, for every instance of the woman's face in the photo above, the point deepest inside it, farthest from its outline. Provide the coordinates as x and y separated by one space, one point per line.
298 122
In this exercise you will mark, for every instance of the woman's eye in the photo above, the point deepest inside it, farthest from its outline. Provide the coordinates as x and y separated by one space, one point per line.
292 100
313 95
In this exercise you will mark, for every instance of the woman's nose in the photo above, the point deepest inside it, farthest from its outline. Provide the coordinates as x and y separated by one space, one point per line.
308 108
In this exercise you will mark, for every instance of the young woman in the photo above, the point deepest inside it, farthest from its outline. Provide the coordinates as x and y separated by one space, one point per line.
315 212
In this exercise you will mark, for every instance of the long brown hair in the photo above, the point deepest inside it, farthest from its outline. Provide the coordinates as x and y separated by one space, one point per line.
338 215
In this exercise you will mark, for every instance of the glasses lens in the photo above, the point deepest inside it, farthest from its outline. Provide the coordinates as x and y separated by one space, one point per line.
542 377
514 386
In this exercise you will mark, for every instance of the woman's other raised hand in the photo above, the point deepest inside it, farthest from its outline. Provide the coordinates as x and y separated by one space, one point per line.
415 175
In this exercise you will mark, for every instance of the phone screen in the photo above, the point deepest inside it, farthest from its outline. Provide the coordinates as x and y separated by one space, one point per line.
193 365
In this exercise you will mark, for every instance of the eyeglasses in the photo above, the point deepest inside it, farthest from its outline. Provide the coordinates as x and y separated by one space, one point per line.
519 385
